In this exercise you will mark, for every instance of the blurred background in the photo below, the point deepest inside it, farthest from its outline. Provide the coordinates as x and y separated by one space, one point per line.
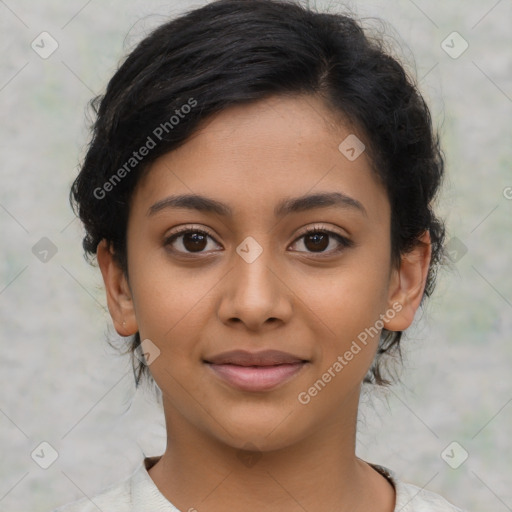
71 422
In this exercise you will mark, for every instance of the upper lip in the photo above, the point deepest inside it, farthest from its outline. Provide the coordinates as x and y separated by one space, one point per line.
262 358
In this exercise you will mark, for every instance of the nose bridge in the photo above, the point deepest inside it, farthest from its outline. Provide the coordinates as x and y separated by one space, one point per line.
254 291
254 267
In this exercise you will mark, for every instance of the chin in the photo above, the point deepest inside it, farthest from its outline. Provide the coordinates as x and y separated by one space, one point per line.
259 431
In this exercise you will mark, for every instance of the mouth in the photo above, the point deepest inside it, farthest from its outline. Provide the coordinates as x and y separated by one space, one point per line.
255 371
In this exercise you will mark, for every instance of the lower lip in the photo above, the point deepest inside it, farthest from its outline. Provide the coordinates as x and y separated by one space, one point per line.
256 378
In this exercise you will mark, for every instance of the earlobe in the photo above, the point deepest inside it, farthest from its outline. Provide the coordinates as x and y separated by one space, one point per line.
119 299
408 283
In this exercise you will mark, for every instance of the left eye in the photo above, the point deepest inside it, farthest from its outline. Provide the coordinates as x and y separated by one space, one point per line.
318 240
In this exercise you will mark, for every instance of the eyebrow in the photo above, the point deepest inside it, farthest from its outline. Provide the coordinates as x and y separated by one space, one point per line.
284 207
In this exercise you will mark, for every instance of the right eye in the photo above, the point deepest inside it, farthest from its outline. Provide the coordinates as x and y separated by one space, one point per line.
189 241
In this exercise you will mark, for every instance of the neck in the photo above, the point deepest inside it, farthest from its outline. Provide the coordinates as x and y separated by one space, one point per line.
319 472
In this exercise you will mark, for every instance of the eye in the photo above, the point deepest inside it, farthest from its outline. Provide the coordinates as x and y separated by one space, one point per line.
317 239
192 240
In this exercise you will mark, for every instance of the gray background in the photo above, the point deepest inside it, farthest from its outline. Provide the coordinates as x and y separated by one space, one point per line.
60 382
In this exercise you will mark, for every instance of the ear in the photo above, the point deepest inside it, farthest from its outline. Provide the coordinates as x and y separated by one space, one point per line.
407 284
119 298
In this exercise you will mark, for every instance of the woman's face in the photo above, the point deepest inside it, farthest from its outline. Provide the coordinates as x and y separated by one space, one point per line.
257 281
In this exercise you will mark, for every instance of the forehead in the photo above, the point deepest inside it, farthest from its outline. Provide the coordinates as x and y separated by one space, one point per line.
252 156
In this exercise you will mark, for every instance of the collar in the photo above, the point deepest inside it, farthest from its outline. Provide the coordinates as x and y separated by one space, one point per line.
147 496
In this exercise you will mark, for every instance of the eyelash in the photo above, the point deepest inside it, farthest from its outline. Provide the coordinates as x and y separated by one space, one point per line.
343 241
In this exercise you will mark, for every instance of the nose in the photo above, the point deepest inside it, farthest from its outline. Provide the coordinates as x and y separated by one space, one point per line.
255 293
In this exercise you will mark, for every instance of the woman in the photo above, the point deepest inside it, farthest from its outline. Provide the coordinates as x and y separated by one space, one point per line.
258 193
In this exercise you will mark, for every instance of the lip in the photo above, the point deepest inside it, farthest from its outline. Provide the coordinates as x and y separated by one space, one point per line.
261 358
255 371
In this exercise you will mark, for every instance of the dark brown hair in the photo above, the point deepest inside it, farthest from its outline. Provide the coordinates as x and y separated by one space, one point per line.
241 51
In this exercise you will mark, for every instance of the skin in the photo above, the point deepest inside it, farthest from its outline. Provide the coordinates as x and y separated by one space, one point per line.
292 298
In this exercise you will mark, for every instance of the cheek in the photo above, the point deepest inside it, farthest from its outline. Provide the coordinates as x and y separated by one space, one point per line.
350 297
171 309
168 299
344 314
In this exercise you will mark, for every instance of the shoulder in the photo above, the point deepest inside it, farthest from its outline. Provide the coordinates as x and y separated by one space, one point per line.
116 498
411 498
135 493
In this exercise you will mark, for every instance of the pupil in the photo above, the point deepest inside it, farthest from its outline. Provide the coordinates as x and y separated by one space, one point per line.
320 241
194 241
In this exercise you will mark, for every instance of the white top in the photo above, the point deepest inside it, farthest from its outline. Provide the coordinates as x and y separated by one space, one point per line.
138 493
